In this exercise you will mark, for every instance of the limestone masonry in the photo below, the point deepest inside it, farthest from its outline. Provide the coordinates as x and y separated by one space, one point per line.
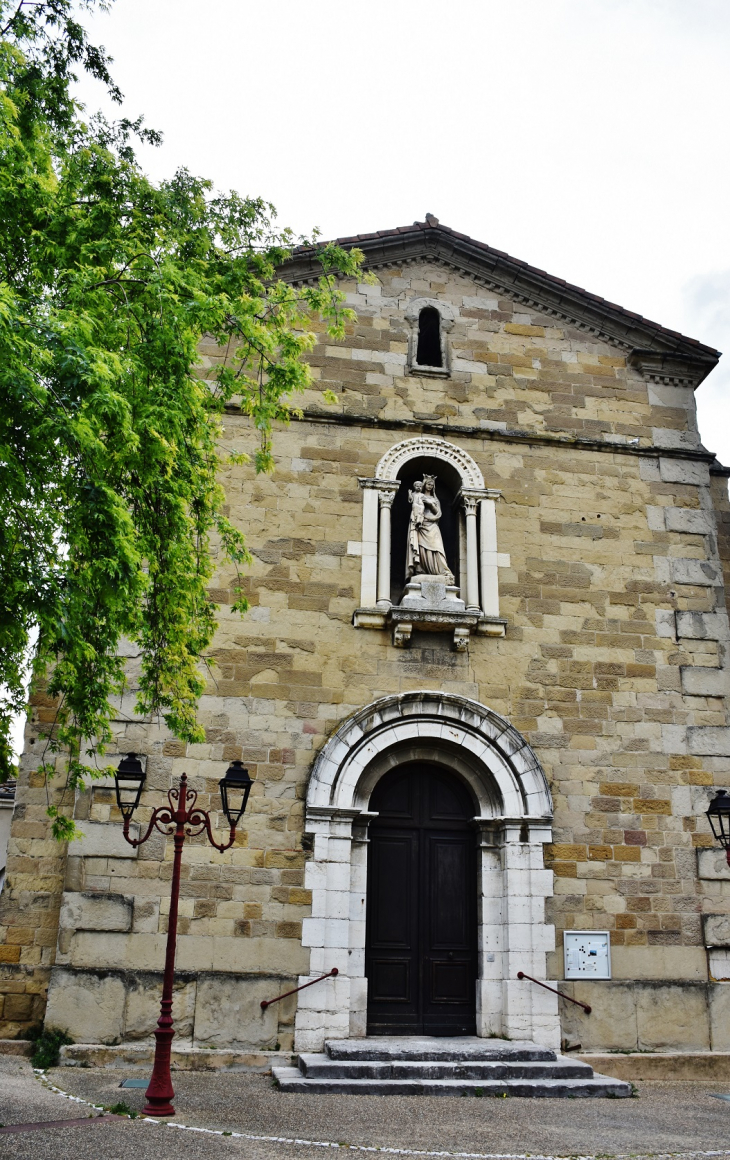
575 683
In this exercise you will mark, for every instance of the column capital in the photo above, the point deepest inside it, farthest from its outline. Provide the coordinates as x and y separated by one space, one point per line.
387 488
387 493
475 494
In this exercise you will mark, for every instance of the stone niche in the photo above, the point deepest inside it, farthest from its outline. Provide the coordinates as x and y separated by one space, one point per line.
464 598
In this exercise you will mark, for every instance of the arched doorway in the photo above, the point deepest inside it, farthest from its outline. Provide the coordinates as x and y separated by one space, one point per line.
511 820
421 924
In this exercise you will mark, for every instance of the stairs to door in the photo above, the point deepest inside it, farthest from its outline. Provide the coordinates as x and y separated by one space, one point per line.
435 1066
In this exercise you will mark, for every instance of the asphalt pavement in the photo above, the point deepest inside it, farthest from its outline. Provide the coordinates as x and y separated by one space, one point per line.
666 1119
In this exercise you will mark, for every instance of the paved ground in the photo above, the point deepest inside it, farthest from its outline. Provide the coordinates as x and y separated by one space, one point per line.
680 1118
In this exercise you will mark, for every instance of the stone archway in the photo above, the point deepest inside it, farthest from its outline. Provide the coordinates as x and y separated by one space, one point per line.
423 446
514 821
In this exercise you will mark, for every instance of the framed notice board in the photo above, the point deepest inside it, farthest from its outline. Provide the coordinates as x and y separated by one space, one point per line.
587 954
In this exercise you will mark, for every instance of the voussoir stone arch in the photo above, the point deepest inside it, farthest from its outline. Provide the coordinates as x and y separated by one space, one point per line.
502 769
446 312
429 445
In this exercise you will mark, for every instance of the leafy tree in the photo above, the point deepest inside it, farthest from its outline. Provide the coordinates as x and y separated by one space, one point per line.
109 429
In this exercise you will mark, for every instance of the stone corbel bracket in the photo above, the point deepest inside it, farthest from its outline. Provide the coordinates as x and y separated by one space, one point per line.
461 624
404 620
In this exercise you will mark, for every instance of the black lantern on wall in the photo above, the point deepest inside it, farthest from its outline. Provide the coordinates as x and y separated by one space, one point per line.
718 816
129 780
235 788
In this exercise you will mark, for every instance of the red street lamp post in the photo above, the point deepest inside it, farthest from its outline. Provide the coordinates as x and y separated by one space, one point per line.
181 819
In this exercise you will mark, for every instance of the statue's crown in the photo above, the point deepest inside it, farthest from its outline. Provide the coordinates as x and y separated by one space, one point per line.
429 479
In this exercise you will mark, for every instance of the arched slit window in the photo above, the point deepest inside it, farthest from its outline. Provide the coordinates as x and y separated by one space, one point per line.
428 352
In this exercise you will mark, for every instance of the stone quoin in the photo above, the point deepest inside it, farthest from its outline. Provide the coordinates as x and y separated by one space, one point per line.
540 721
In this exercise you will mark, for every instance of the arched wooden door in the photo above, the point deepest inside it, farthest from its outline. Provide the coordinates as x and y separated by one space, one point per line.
421 935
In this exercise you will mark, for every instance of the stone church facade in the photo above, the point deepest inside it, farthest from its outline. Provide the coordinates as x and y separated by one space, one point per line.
450 773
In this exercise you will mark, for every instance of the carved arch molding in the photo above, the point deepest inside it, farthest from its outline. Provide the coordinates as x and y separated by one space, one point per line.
427 445
511 827
478 556
505 774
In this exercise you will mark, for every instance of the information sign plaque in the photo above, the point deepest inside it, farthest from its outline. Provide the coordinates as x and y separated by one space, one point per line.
587 954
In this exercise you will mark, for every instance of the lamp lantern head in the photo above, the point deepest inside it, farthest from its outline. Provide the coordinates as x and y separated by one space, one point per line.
129 780
235 788
718 816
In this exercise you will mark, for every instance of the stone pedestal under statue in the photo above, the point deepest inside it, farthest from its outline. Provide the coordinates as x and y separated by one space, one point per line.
434 593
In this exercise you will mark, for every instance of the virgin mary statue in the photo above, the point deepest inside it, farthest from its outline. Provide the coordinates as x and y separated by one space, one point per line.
425 553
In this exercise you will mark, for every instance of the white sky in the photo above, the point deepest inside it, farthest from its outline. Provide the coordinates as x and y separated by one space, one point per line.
587 137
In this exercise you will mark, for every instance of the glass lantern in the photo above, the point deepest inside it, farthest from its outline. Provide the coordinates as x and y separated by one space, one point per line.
129 780
235 788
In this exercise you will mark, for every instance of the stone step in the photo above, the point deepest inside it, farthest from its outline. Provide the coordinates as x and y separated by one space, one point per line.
183 1057
428 1047
290 1079
323 1067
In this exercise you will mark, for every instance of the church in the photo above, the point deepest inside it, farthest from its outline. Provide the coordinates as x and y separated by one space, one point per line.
481 690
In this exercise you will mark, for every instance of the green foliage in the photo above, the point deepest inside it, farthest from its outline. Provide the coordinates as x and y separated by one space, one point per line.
111 513
47 1047
122 1109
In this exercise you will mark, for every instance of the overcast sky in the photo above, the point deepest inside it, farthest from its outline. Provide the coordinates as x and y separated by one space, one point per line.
588 137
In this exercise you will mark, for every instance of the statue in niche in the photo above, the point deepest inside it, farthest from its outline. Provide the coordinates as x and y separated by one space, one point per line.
425 555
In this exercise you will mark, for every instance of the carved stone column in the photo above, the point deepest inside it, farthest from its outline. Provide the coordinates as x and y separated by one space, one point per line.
386 491
482 558
369 550
472 557
490 585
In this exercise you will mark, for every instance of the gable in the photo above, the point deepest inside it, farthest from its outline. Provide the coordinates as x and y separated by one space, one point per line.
653 349
512 368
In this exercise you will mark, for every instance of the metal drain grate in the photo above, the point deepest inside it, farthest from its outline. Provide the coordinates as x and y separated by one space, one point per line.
135 1083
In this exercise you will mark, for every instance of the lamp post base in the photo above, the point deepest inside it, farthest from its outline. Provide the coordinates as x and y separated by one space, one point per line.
160 1093
165 1109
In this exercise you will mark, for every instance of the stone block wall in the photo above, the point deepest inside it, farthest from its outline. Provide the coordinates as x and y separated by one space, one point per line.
614 663
211 1008
647 1016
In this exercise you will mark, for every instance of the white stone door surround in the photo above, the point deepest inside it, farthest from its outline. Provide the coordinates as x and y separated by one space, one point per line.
514 821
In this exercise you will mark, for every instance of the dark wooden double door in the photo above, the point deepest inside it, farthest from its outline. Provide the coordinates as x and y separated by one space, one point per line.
421 936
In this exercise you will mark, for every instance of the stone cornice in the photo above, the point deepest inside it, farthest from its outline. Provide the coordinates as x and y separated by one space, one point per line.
672 367
513 435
